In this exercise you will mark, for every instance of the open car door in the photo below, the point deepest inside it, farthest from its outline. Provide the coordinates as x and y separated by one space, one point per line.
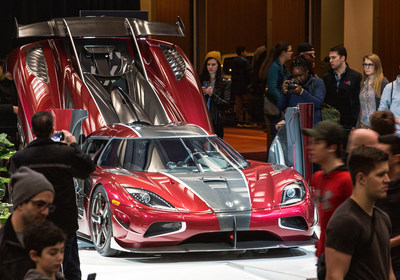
290 146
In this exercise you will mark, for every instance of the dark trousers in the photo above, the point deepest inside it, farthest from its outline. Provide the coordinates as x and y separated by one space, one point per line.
71 263
219 129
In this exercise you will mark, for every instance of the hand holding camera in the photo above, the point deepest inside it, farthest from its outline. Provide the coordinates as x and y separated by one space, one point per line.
63 136
292 86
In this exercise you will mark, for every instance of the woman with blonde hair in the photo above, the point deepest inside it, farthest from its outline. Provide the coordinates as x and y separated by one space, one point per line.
372 86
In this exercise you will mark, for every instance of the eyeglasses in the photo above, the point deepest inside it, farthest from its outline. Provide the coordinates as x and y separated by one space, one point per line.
368 65
299 75
41 205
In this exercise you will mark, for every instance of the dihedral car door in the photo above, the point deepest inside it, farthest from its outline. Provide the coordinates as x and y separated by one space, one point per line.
289 148
93 148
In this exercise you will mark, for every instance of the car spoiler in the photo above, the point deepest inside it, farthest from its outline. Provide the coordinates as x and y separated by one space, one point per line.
98 26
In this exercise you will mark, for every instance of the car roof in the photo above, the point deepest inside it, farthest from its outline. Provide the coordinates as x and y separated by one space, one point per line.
139 130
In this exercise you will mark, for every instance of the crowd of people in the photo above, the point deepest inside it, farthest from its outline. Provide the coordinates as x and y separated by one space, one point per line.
357 194
357 153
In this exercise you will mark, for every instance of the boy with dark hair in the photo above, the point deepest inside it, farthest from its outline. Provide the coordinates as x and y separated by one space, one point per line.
357 236
45 244
332 185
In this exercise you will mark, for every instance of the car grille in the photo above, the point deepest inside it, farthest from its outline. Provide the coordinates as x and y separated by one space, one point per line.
228 237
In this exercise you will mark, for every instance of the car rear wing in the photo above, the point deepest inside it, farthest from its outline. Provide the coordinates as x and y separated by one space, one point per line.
98 27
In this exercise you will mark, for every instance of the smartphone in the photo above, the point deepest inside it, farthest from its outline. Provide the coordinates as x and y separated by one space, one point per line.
57 136
91 276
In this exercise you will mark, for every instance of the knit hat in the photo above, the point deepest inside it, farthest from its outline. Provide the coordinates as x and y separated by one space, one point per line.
327 130
26 183
214 54
305 47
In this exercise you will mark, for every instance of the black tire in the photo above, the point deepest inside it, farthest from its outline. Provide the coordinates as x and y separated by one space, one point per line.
100 223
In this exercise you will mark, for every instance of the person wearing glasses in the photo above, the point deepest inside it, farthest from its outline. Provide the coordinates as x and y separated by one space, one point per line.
372 86
59 162
32 196
302 88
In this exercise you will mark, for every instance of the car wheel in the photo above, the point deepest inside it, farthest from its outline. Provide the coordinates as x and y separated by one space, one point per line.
100 223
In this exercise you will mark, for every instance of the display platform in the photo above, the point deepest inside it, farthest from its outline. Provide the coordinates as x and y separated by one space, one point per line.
276 264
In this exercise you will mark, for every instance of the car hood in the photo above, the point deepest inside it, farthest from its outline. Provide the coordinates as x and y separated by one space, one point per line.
220 191
256 187
230 195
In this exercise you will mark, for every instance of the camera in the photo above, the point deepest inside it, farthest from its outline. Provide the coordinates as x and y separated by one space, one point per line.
291 85
57 136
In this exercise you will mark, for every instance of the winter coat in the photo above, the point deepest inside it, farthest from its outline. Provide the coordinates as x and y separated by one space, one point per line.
59 163
14 259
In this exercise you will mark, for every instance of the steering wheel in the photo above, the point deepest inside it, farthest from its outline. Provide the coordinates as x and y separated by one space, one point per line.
185 161
170 165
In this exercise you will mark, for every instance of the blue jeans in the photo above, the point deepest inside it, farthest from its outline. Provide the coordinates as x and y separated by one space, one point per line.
71 263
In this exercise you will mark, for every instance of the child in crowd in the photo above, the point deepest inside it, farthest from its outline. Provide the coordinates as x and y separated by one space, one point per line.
45 243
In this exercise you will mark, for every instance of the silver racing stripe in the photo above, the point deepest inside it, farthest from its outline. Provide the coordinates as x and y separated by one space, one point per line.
226 193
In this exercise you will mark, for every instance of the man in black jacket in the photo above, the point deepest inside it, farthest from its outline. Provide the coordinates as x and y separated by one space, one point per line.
240 80
32 196
59 162
343 88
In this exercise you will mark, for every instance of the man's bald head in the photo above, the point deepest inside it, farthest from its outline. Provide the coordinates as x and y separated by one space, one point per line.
361 137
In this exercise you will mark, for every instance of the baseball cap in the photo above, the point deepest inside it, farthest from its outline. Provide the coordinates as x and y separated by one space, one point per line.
305 47
327 130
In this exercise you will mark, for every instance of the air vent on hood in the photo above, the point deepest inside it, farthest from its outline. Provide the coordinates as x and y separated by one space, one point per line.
37 64
175 61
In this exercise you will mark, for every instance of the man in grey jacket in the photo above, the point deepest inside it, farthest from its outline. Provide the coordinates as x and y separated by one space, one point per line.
32 197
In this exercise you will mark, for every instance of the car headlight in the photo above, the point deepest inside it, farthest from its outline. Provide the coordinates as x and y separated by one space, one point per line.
149 198
293 193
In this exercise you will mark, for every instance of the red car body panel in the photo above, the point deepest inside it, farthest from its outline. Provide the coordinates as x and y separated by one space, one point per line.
182 100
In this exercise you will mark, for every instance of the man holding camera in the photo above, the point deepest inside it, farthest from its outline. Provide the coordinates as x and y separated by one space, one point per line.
302 88
59 162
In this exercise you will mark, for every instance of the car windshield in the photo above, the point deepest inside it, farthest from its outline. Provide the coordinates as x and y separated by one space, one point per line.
173 155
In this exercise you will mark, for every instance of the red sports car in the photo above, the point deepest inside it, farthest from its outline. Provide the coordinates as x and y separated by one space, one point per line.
178 188
160 185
